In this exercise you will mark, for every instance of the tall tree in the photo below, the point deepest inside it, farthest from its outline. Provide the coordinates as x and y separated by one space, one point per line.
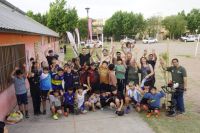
153 24
193 20
83 28
38 17
176 25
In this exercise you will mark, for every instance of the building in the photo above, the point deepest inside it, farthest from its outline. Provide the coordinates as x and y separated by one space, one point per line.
20 38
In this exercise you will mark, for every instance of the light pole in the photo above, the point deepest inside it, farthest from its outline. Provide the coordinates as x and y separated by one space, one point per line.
87 10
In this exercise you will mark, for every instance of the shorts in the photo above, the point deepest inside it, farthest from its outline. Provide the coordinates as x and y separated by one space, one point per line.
22 99
104 87
44 94
95 88
58 108
70 107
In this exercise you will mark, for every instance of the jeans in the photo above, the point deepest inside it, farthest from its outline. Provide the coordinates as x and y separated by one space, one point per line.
178 97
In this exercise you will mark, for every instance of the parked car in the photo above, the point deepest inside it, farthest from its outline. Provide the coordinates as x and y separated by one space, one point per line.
150 40
125 40
91 44
189 38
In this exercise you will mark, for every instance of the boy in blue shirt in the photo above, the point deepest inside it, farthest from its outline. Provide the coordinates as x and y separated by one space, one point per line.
68 96
57 79
45 86
154 101
68 77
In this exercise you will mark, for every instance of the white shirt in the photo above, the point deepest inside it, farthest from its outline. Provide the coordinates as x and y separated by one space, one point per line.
81 98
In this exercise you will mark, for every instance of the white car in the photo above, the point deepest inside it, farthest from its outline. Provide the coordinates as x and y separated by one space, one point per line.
189 38
128 40
91 44
149 40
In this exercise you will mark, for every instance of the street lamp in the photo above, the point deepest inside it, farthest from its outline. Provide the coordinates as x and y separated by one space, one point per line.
87 9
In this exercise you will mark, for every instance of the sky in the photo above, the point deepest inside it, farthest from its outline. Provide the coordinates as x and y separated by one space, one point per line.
103 9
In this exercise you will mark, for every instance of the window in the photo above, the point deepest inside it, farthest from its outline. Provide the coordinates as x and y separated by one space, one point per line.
10 57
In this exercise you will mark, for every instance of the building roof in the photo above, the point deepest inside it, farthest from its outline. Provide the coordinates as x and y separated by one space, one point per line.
12 19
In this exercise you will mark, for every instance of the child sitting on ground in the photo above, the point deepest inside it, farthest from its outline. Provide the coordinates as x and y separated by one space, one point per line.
133 95
154 101
144 101
68 101
55 103
117 100
94 101
80 98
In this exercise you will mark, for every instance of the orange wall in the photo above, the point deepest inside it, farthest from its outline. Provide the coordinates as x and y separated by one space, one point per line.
7 97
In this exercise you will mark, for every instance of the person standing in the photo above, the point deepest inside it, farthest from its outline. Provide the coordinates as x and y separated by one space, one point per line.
179 75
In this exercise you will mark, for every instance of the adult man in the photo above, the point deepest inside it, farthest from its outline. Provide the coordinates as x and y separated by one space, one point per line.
85 57
179 75
50 57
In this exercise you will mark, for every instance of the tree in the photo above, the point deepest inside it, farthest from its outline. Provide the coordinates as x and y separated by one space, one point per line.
193 20
153 25
83 28
38 17
175 24
56 19
124 24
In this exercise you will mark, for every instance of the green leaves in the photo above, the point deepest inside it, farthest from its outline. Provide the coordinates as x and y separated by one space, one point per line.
124 23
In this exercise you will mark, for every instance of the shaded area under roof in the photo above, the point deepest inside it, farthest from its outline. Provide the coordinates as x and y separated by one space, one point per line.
13 19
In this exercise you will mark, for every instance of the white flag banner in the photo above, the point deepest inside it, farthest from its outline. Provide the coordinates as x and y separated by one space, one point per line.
78 37
72 42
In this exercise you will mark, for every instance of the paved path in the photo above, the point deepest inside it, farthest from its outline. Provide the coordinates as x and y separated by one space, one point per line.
93 122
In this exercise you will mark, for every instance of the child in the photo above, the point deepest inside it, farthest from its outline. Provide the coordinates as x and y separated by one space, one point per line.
132 95
19 78
117 100
112 77
120 75
76 78
80 97
104 100
93 78
144 101
45 86
154 101
68 77
69 101
84 73
57 79
55 104
94 101
104 77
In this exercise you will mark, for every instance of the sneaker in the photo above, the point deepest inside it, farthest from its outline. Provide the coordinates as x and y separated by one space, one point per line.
127 111
65 114
84 112
102 109
55 117
27 115
44 112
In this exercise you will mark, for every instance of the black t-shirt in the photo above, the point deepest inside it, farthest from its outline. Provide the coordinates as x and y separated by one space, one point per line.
117 96
152 62
50 58
84 58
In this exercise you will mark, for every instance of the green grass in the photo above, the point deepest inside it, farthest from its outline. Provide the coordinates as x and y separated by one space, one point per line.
189 123
187 56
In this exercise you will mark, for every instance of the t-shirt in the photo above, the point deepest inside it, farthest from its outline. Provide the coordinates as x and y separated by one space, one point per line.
56 81
69 98
76 79
94 76
83 76
68 78
50 58
104 77
152 62
154 98
81 98
84 58
133 93
120 71
133 73
20 85
45 81
55 101
177 74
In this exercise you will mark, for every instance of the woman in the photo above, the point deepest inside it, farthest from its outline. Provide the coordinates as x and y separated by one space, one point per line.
146 72
133 72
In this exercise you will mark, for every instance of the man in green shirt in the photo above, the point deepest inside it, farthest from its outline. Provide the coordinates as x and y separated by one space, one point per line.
179 75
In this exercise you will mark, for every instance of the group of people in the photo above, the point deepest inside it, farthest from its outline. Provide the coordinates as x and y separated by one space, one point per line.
83 84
